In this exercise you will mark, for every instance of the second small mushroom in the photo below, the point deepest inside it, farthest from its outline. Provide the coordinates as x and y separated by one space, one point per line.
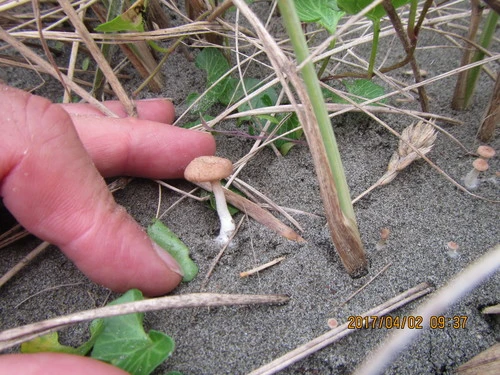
471 180
212 169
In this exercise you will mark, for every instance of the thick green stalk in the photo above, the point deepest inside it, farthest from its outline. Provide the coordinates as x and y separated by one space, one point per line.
486 37
292 24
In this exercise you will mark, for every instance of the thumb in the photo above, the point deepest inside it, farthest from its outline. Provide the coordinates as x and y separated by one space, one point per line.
50 184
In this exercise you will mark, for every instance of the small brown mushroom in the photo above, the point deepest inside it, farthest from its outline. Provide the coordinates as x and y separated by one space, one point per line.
486 152
471 180
212 169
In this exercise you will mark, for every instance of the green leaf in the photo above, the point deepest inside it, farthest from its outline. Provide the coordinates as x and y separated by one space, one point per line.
266 98
46 343
124 343
167 239
50 343
121 23
364 88
290 123
85 63
324 12
215 64
356 6
130 20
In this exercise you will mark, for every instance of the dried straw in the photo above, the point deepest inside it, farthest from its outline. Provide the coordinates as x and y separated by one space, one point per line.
421 136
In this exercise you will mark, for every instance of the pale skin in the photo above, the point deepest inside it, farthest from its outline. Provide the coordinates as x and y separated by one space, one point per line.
52 159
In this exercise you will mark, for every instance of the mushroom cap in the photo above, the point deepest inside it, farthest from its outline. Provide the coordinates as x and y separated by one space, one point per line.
208 168
481 165
486 152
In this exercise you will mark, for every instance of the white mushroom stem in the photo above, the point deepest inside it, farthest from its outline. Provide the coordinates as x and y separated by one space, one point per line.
227 226
471 180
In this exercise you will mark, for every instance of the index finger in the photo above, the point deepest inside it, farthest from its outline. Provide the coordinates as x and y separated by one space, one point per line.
159 110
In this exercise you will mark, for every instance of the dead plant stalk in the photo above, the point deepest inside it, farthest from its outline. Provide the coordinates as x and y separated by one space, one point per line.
341 222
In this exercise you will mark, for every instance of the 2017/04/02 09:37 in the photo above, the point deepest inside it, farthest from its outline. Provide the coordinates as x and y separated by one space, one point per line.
402 322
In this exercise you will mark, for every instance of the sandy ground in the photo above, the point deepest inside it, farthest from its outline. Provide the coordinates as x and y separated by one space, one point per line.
422 209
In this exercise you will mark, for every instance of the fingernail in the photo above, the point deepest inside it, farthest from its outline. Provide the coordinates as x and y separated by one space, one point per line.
167 259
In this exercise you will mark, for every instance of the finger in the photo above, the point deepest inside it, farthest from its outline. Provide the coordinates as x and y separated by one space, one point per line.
141 148
49 183
54 364
160 110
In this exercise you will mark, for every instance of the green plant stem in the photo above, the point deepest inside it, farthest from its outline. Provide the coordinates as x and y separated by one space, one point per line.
486 37
325 62
292 24
373 55
411 20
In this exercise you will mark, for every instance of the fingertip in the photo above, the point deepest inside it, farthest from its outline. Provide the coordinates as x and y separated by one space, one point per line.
159 110
118 254
54 364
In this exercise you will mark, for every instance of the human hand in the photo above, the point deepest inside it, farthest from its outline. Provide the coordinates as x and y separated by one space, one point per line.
51 161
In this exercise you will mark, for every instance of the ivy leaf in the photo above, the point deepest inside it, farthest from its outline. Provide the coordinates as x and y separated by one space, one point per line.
50 343
364 88
324 12
356 6
266 98
215 64
124 343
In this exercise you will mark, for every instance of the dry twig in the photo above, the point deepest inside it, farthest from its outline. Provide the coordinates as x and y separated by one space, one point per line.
18 335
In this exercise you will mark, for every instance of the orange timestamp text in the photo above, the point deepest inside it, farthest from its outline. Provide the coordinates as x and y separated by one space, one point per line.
406 321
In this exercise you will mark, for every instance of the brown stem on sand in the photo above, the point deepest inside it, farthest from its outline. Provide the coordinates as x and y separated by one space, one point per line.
492 118
459 96
403 37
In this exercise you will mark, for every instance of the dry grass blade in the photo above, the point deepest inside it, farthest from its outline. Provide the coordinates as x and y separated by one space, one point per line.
422 137
28 258
49 69
18 335
492 309
98 57
261 267
12 235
